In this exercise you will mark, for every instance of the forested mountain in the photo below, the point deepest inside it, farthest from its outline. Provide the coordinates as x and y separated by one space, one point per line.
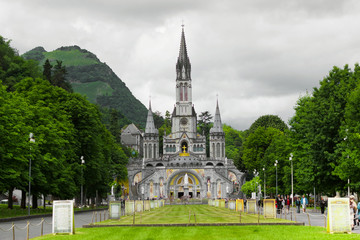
88 76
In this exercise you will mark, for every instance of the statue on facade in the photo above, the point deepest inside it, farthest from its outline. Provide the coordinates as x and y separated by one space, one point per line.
186 179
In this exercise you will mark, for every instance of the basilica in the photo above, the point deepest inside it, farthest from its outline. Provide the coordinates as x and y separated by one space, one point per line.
184 168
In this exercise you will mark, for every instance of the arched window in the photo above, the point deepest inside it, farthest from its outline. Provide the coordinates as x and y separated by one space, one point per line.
154 150
223 150
185 92
146 155
181 92
213 149
218 150
150 153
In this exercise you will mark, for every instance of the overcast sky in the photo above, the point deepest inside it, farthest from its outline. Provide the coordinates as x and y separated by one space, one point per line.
258 56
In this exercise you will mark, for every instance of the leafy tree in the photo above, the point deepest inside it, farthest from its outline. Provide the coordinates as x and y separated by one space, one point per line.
234 141
59 77
268 121
14 68
318 121
251 186
47 70
348 151
204 125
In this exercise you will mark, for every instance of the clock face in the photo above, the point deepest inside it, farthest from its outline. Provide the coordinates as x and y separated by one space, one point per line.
183 121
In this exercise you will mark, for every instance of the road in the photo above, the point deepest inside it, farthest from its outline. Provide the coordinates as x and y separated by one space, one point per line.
82 218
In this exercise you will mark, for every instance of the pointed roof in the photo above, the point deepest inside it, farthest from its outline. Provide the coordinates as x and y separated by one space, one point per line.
183 62
217 127
150 125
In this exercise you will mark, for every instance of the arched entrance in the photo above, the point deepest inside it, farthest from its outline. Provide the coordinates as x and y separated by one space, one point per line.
177 186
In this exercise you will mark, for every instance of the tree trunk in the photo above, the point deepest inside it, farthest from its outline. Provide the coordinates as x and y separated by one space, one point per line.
23 199
34 201
10 198
44 196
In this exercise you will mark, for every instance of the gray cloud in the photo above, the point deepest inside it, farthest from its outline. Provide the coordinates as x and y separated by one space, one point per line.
259 56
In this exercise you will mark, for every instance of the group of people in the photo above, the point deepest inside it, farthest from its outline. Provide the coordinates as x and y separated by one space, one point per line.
303 202
283 203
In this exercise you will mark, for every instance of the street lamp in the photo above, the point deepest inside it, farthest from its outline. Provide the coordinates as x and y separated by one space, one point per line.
255 174
264 183
348 160
292 181
276 163
32 140
82 173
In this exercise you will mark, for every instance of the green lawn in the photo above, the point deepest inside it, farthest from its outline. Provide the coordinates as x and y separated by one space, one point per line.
204 214
201 232
191 214
18 212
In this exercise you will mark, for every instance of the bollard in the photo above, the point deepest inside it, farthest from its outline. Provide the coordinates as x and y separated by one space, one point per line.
324 220
240 217
28 226
42 227
309 219
92 219
13 230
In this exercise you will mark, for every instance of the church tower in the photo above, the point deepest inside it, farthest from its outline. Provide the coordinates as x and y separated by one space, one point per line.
217 137
151 138
184 115
184 168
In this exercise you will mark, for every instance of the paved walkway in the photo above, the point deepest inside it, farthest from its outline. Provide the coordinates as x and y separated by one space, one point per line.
316 219
82 218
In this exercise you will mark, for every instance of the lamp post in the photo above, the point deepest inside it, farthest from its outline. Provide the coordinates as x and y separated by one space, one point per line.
32 140
82 176
292 181
142 192
255 184
276 163
264 183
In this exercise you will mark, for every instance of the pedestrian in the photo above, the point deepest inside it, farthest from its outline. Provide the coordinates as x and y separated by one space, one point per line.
353 210
288 203
323 204
298 204
304 203
279 201
358 212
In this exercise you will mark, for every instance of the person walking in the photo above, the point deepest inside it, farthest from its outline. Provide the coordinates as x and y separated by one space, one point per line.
304 203
353 210
298 204
323 204
279 203
358 213
288 203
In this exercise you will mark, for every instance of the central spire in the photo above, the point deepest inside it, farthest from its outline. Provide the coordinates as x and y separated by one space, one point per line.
183 66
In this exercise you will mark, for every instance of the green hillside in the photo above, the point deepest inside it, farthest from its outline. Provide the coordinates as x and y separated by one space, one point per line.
96 80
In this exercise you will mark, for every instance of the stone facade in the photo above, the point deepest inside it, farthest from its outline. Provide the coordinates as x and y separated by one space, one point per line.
184 168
